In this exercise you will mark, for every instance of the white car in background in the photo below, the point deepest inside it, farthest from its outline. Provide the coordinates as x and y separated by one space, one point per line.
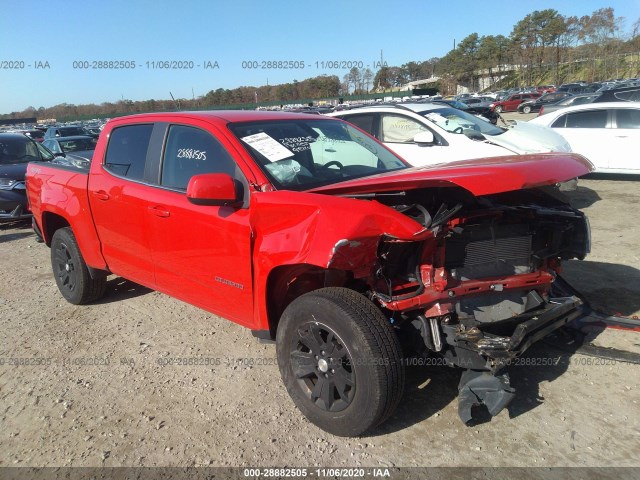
607 133
436 133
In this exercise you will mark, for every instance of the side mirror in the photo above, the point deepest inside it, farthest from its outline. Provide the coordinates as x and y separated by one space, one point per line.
214 189
59 154
424 137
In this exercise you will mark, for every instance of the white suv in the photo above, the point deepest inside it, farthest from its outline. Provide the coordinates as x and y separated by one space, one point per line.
434 133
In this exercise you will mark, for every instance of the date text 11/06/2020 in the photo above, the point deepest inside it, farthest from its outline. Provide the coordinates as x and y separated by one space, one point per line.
317 64
146 65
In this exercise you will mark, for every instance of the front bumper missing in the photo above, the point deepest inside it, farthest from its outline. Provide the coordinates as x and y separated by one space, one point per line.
490 386
557 313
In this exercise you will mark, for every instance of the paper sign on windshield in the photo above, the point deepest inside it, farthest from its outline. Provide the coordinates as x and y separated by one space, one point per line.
267 146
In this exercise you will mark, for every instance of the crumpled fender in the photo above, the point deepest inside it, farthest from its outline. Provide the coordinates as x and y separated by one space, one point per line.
291 228
323 227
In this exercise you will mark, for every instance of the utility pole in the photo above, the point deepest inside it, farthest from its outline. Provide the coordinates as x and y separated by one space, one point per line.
177 104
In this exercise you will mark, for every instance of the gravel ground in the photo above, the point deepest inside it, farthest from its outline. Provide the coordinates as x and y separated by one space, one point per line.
103 395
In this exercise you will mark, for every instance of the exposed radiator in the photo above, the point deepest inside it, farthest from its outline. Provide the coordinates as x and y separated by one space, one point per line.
488 251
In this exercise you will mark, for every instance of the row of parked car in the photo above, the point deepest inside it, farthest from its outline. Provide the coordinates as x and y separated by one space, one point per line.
530 99
531 103
424 132
431 133
69 145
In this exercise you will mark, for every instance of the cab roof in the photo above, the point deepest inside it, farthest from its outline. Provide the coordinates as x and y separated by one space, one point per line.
225 116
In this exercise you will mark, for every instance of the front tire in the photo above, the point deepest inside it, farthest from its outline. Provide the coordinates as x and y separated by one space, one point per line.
498 109
526 109
340 360
71 272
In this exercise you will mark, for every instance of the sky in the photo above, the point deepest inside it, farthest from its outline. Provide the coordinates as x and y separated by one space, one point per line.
45 46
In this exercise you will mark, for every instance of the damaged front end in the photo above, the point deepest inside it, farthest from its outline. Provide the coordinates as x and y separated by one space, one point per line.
479 290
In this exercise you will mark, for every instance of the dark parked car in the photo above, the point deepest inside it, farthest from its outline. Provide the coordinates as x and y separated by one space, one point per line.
620 94
16 151
35 134
534 105
478 101
53 132
484 111
569 101
575 88
80 145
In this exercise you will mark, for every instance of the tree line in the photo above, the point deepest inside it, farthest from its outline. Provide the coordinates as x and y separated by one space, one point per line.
542 44
323 86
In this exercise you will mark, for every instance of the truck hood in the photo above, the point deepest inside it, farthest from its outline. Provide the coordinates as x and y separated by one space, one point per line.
528 138
479 176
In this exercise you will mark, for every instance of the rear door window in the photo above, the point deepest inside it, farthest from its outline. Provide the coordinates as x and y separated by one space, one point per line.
363 122
400 129
629 96
127 151
587 119
628 118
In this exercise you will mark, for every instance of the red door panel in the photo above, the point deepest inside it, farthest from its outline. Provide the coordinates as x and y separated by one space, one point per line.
202 254
119 210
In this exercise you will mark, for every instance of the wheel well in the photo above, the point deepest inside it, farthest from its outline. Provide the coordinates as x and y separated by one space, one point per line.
288 282
50 223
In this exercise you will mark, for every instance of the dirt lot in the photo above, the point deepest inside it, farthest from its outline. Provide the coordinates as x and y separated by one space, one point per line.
104 397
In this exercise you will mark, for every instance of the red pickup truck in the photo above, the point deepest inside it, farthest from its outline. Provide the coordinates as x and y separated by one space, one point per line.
313 234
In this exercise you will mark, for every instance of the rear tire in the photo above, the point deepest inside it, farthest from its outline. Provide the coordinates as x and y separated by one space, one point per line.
71 272
340 360
526 109
498 109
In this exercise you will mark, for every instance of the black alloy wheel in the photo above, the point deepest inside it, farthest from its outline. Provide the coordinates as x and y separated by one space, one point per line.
340 360
323 367
64 269
70 270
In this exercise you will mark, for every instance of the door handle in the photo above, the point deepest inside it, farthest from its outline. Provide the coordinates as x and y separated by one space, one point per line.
101 195
159 211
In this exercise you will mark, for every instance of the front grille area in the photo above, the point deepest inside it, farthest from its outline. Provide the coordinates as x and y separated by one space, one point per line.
482 251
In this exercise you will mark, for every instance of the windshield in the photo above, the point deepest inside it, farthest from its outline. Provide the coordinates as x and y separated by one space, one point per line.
71 131
456 121
78 145
18 150
458 104
579 99
301 154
